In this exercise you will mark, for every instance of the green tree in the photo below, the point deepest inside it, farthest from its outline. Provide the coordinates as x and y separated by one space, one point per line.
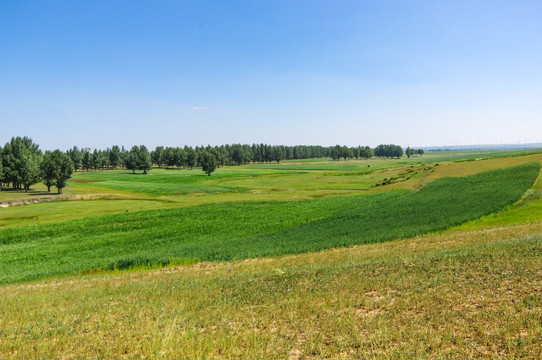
95 159
168 157
157 156
77 157
20 162
138 159
123 156
115 156
47 168
103 158
63 169
278 153
366 152
388 151
86 162
30 170
208 162
56 168
237 153
180 157
190 156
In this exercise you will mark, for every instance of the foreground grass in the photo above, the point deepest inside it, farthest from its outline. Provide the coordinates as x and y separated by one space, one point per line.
223 232
475 294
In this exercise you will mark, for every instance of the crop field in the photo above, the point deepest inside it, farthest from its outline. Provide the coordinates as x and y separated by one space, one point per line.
430 257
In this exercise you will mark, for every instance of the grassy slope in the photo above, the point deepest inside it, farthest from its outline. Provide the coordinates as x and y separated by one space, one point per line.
528 210
468 294
221 232
464 295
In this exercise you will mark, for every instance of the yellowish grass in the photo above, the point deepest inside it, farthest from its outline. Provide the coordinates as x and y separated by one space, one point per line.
474 294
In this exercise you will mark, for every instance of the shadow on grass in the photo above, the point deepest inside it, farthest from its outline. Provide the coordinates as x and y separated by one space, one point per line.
28 193
40 193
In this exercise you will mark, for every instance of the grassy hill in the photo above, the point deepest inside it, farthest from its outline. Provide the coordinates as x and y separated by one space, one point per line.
266 262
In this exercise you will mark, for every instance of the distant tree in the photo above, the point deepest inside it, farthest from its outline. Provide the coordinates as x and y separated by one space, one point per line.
123 155
63 169
336 152
20 162
47 168
208 162
277 153
247 154
115 156
237 154
345 152
350 153
95 159
218 152
139 159
355 152
190 156
7 162
198 155
76 156
56 169
157 156
169 156
131 161
180 157
145 162
413 152
397 151
86 163
388 151
30 170
103 158
366 152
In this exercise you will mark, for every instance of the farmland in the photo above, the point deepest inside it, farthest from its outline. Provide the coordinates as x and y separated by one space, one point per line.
178 264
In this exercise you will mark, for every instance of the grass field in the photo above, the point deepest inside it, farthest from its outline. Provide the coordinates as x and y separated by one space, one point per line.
463 295
261 261
223 232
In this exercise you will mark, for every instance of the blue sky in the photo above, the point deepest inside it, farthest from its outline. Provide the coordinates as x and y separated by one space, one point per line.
414 73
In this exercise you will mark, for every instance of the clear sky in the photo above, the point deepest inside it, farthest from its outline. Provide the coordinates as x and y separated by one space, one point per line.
413 73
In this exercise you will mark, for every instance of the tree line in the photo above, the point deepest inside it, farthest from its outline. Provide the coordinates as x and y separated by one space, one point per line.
23 164
140 158
413 152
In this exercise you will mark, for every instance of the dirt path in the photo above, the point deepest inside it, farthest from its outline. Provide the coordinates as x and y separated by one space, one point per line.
6 204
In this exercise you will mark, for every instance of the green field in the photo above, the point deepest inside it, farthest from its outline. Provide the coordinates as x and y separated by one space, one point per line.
226 231
251 250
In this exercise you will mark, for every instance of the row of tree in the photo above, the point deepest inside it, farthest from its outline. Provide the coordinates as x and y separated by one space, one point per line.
395 151
188 157
388 151
413 152
22 164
